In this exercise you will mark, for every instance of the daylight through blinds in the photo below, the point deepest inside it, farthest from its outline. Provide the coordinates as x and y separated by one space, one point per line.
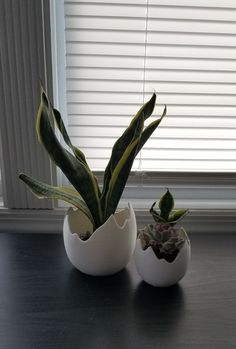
118 52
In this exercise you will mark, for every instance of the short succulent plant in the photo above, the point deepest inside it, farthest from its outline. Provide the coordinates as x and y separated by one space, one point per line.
165 239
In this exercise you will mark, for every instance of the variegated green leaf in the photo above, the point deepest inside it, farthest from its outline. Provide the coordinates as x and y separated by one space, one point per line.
156 214
60 124
75 170
119 178
148 131
77 152
147 109
43 191
166 204
177 215
123 142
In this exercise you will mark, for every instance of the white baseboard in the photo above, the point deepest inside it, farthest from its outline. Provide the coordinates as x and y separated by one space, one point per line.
51 221
31 221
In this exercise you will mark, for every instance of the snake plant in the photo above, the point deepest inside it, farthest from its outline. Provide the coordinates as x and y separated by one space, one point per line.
165 239
98 204
163 211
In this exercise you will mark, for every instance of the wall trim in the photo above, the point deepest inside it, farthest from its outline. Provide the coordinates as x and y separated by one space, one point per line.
51 221
201 221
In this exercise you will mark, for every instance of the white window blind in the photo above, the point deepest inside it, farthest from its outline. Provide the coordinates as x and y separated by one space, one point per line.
118 52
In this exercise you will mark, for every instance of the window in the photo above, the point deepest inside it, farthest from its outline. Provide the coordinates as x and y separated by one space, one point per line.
117 52
183 49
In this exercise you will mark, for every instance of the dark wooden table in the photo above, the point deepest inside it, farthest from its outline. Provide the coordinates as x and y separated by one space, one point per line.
46 303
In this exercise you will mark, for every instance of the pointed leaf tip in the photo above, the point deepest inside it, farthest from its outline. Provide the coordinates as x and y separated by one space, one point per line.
166 204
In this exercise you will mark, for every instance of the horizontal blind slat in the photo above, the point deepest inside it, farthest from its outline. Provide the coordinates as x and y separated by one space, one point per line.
162 87
119 109
180 132
106 9
154 51
135 98
166 25
183 166
159 143
178 12
189 3
155 12
188 154
116 121
176 153
102 61
176 75
131 37
192 3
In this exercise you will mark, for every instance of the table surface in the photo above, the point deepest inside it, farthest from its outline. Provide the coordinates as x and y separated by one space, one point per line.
46 303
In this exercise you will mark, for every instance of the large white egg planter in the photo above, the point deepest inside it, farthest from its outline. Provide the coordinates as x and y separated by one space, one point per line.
108 249
159 272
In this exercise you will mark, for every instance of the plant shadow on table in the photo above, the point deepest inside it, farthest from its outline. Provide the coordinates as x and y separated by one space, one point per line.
158 311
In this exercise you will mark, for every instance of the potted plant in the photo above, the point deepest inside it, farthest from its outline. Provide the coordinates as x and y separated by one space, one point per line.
162 251
98 239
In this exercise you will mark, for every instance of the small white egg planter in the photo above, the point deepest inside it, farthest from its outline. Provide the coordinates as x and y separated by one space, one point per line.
110 247
159 272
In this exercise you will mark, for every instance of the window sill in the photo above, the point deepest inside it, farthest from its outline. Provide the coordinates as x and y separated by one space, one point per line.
51 221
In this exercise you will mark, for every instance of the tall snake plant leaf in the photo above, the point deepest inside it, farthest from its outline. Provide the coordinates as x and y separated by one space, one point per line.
124 163
123 142
119 178
77 152
43 191
147 132
60 125
120 175
77 173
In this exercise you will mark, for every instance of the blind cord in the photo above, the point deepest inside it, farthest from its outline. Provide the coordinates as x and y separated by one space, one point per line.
144 78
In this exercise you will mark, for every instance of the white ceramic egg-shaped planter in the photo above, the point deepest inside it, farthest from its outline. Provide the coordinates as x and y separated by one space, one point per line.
108 249
159 272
